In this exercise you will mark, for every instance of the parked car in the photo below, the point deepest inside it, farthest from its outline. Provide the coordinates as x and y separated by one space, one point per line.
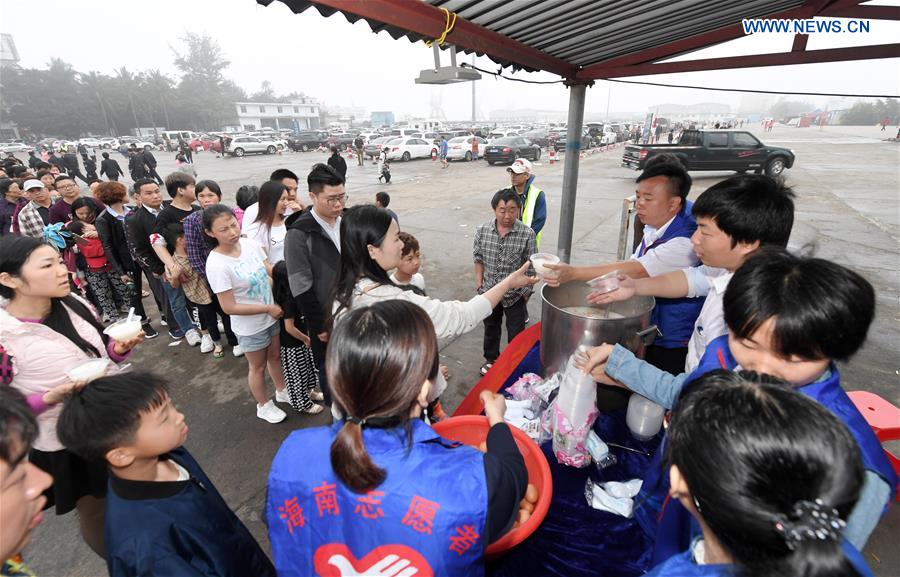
109 142
373 147
280 143
90 142
309 140
560 143
408 148
539 137
15 147
138 142
241 145
715 150
508 149
342 140
460 148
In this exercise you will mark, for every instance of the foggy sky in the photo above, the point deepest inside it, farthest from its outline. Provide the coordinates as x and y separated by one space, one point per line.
348 65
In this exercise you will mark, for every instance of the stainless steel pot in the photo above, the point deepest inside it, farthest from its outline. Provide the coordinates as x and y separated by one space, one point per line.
563 330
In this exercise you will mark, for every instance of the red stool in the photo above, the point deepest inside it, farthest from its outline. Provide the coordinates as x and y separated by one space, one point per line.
883 417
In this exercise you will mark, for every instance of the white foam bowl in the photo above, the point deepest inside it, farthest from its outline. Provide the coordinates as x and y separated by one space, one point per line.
539 259
124 330
86 372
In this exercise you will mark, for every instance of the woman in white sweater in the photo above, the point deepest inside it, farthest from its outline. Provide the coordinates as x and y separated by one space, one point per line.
370 247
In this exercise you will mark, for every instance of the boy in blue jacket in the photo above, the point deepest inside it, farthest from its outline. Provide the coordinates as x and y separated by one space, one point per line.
790 317
164 517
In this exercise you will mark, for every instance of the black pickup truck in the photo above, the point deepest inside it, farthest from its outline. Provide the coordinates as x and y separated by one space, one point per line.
715 150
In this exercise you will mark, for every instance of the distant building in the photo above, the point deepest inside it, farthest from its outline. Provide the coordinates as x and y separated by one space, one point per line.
700 112
528 115
296 114
382 118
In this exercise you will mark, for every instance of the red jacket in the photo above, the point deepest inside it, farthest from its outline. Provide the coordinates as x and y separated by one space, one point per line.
94 255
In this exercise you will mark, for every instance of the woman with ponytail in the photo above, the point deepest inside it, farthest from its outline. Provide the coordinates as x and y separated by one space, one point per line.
380 488
46 330
769 475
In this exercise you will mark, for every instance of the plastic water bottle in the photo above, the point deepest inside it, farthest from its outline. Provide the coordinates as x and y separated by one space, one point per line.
644 417
577 393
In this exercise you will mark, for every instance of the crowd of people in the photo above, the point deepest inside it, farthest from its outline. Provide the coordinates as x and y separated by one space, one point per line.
769 472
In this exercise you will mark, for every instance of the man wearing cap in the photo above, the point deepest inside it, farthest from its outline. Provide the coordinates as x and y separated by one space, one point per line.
533 200
35 215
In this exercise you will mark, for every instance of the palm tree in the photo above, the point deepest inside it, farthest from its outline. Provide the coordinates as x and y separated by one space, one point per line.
129 82
160 85
94 82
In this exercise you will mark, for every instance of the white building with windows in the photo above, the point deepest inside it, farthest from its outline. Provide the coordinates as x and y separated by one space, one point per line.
296 114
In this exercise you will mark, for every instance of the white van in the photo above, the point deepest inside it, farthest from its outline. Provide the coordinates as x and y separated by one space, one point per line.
405 132
175 135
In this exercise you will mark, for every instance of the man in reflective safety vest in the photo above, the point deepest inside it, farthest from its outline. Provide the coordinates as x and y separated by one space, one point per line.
534 202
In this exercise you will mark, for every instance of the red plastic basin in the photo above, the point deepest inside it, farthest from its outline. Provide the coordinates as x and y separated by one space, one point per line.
472 430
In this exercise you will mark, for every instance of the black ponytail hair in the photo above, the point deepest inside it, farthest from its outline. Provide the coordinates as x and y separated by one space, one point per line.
752 450
360 226
389 342
14 253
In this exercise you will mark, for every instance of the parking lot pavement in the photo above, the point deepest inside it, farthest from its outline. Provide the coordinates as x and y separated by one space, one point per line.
848 210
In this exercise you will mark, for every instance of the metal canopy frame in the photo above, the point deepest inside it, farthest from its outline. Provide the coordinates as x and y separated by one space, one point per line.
586 40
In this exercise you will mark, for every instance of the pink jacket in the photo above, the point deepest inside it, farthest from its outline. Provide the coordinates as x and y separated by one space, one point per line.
41 357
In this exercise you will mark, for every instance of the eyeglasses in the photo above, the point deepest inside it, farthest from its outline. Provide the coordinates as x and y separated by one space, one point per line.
338 200
66 186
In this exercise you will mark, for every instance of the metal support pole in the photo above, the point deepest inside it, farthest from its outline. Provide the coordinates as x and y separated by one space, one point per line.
570 171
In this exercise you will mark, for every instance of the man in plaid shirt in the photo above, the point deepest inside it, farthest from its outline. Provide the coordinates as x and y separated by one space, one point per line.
501 247
35 215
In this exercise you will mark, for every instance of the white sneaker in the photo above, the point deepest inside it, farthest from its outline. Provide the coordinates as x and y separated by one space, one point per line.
206 344
192 337
316 396
237 351
269 412
282 396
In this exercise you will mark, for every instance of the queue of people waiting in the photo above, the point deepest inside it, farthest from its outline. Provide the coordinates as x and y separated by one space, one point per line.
771 467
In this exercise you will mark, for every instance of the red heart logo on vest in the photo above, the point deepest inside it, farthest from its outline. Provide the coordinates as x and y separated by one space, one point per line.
336 560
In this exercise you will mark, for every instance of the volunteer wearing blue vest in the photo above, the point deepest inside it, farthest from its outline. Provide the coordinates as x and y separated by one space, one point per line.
380 493
534 201
770 476
662 206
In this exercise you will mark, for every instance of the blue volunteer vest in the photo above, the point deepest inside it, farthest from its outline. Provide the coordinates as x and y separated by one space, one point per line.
675 318
683 565
676 526
429 514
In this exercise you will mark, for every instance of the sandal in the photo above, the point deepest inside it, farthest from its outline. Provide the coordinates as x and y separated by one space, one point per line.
313 410
316 396
145 293
218 352
486 367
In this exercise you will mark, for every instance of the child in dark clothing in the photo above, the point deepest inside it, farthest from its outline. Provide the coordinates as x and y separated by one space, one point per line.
297 361
163 514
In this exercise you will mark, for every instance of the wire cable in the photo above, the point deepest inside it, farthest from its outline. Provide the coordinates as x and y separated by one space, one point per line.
713 88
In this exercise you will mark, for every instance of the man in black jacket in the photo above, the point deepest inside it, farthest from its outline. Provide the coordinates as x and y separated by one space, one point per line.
150 163
110 226
136 165
359 144
110 168
313 258
139 225
70 161
337 162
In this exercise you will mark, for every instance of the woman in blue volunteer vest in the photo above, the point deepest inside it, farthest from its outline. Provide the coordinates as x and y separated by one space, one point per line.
793 317
770 476
380 493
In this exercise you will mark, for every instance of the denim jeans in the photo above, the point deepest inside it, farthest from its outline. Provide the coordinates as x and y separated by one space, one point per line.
178 303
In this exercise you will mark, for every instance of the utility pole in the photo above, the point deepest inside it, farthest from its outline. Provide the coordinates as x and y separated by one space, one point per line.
473 90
